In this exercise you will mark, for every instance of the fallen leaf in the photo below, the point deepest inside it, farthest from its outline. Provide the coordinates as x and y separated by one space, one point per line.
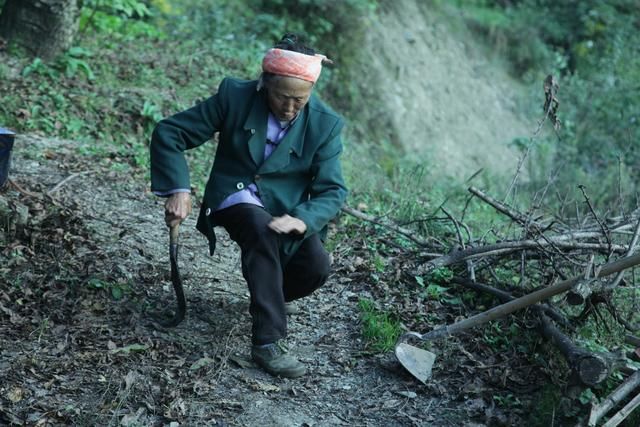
129 348
130 379
203 361
15 394
260 386
241 361
391 403
409 394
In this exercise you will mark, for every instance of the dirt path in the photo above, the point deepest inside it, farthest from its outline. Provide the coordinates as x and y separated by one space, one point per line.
77 348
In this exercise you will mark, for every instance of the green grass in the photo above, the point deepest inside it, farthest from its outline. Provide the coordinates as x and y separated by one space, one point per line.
379 328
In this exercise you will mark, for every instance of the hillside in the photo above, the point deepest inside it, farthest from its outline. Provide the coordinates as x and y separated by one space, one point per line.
440 93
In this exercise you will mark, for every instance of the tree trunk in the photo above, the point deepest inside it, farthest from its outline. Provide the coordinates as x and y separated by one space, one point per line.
44 27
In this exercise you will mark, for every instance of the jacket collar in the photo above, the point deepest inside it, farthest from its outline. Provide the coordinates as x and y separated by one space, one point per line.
256 124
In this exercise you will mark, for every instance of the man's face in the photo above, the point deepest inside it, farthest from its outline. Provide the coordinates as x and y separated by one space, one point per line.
287 96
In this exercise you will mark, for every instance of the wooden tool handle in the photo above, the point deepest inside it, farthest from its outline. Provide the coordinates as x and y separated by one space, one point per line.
173 234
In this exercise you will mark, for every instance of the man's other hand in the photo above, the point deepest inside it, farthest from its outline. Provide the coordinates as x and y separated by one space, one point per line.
286 224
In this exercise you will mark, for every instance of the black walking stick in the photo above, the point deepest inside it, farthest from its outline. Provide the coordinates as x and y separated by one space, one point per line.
178 316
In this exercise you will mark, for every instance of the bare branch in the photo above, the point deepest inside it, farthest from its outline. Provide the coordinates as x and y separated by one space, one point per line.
505 248
503 208
603 227
403 231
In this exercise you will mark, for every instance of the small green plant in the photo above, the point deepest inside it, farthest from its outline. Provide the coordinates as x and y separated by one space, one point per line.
128 8
432 286
116 290
42 328
74 60
380 329
37 66
500 337
441 275
507 401
151 113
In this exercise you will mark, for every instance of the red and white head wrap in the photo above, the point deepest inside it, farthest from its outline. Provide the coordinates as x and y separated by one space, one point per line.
293 64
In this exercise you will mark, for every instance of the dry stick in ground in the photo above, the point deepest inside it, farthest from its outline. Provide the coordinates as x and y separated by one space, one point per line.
406 233
550 110
59 185
599 410
22 190
632 247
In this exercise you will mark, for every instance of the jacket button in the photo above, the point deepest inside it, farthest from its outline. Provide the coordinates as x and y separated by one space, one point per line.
257 178
239 186
208 212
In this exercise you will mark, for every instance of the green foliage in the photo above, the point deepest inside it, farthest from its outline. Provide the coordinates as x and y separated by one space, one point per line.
115 290
379 328
121 19
593 48
74 60
507 401
504 337
431 286
68 64
127 8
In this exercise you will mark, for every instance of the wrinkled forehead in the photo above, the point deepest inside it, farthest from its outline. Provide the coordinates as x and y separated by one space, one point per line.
289 85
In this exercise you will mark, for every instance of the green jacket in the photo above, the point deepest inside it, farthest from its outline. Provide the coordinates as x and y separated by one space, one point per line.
302 177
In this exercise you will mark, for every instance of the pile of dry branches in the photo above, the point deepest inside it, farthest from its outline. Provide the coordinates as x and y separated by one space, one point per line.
574 256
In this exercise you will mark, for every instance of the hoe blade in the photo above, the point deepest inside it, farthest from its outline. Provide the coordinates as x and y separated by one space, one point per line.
415 360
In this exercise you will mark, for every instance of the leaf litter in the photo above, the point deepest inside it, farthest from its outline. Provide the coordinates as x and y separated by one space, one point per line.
82 268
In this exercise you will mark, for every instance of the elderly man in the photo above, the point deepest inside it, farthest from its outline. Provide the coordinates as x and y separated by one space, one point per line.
275 184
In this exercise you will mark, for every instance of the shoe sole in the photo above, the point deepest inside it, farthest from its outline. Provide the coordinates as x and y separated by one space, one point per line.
286 374
291 373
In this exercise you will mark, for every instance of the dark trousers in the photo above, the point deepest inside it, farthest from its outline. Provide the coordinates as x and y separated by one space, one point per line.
272 282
